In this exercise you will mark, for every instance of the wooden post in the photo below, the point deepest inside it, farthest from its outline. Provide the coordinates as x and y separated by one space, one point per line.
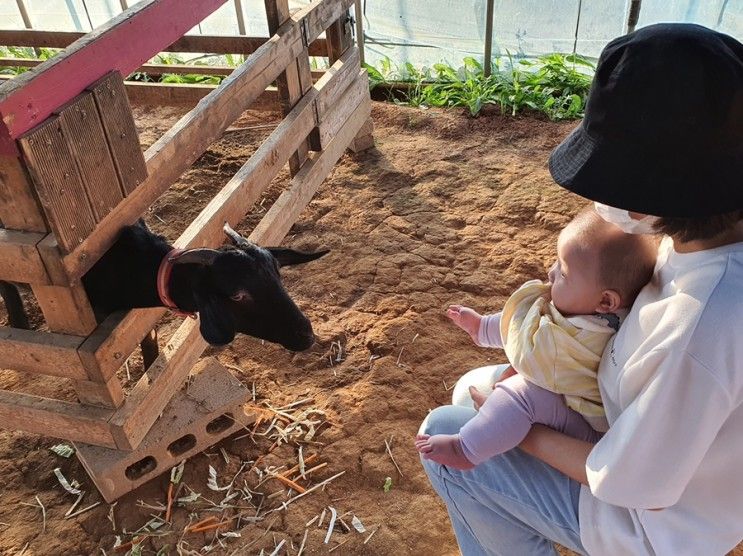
339 39
359 30
240 17
295 81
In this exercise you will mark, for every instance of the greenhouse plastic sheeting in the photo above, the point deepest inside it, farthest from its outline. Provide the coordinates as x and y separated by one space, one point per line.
427 31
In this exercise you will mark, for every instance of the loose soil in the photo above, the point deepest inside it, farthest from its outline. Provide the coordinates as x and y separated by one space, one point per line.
445 209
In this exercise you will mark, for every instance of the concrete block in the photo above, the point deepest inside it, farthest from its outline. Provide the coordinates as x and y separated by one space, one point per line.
210 407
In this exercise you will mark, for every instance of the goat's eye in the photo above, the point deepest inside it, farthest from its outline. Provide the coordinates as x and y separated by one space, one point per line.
239 296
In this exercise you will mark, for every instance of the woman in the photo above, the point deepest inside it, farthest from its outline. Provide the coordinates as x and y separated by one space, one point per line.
662 136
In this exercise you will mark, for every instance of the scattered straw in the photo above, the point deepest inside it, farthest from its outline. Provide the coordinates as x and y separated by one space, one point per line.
78 512
371 534
389 451
278 547
331 525
337 545
304 540
43 514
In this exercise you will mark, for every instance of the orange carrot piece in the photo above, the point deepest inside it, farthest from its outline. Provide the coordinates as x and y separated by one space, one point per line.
290 483
170 503
201 523
308 459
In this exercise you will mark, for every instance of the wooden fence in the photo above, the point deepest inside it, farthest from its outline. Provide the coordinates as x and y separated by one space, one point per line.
63 205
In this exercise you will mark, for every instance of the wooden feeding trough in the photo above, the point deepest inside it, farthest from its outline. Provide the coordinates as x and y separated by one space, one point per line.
72 174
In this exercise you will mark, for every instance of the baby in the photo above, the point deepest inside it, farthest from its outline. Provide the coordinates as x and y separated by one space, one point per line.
554 335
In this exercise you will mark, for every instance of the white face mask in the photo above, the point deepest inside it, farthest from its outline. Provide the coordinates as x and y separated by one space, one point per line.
621 218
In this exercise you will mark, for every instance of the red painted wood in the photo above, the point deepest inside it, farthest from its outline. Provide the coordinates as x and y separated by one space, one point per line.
122 44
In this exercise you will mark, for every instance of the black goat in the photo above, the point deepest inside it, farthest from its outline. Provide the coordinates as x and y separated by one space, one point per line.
234 288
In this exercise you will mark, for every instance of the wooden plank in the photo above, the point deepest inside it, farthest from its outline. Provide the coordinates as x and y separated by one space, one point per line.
105 350
186 93
215 44
339 38
347 103
229 205
51 255
120 132
124 43
283 213
334 88
83 132
19 259
19 206
170 156
289 83
41 353
157 386
150 69
58 184
107 394
66 309
70 421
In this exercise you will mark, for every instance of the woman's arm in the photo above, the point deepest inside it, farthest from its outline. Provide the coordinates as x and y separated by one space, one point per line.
563 452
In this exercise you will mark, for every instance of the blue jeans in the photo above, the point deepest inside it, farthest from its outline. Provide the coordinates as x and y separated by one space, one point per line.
512 504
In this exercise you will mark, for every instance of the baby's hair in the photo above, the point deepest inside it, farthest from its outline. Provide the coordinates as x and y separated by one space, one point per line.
626 261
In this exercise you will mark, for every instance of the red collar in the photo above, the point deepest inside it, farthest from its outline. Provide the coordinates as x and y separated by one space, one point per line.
163 279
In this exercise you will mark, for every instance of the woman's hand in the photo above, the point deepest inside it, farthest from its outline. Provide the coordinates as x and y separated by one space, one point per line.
563 452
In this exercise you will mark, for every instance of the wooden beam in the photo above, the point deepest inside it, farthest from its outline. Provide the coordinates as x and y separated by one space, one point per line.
167 94
83 132
41 353
19 207
120 131
157 386
174 153
58 183
32 97
352 97
186 93
70 421
120 335
211 44
284 212
19 259
291 87
150 69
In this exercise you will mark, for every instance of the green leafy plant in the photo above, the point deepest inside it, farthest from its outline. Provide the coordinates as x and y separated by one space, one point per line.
24 52
555 84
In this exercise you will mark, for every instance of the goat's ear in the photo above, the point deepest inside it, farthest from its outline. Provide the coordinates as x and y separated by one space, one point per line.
287 257
215 319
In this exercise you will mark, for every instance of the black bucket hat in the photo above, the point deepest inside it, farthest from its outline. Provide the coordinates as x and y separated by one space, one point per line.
663 130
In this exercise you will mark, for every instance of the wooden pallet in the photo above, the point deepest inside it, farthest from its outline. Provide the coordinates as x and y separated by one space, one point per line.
72 174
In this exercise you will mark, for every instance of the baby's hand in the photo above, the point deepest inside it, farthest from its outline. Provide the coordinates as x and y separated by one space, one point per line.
467 319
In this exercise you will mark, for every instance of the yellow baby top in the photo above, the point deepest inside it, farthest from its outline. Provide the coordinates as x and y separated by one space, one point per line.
558 353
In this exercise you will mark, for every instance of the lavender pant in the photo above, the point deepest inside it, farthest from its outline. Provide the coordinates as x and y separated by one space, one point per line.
509 412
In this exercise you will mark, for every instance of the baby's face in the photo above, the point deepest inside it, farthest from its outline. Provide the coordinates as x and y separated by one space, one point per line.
575 277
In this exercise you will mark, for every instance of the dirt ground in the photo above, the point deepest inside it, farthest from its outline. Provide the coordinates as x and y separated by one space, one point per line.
446 209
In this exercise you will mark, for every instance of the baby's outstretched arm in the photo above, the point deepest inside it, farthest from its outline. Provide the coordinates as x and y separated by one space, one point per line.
467 319
445 449
483 329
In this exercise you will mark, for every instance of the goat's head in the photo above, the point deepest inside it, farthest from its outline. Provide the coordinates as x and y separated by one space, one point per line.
239 289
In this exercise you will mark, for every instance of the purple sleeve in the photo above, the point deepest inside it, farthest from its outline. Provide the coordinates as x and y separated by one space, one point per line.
489 333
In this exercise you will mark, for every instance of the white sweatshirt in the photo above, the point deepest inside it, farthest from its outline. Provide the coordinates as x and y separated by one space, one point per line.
672 385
